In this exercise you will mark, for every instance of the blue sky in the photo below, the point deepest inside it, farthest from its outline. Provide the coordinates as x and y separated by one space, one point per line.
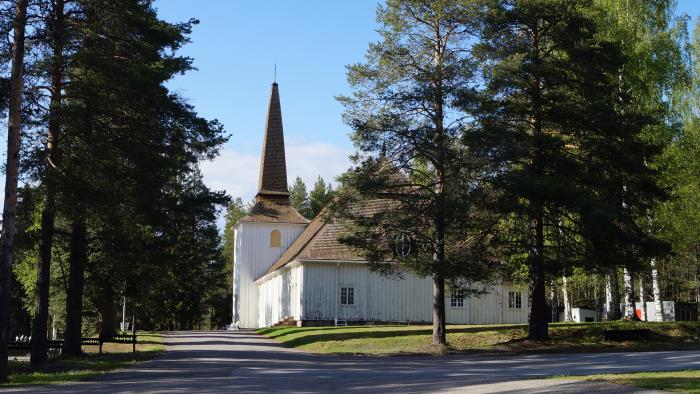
235 48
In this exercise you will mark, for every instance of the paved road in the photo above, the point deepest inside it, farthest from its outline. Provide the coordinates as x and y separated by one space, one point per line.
241 361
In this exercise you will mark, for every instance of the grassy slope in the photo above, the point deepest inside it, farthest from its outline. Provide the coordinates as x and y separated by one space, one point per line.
486 338
64 369
686 381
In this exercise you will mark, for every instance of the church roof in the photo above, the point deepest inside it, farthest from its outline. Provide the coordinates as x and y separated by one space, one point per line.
319 241
269 209
273 168
272 201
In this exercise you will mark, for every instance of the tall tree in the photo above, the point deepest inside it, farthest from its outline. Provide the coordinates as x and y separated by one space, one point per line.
9 215
550 121
409 161
654 40
56 37
128 139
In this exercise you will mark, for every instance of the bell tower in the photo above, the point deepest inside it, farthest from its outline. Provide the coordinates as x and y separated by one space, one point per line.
271 225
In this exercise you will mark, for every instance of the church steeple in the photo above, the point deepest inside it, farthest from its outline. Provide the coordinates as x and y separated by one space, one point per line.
272 201
273 168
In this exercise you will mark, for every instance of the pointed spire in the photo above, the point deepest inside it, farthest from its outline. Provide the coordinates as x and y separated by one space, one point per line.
273 169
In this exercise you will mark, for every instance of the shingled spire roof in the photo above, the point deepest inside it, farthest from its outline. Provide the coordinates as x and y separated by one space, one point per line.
273 169
272 201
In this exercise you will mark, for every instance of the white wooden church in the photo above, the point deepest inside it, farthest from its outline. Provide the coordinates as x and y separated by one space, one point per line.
287 268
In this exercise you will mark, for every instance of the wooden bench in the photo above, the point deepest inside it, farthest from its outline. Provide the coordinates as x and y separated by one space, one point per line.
27 345
628 335
102 339
99 341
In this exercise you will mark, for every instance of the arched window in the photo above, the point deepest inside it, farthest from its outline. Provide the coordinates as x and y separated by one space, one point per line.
275 239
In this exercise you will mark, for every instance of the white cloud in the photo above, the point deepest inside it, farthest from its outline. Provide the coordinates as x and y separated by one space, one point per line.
237 172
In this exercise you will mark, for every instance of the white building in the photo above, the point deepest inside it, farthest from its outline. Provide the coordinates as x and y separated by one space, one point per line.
289 269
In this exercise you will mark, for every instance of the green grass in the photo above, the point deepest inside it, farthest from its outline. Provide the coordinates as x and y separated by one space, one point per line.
480 338
90 364
685 381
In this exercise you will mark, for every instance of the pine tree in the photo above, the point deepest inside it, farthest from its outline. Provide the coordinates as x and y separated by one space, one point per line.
409 159
56 39
550 120
319 197
9 215
299 198
128 139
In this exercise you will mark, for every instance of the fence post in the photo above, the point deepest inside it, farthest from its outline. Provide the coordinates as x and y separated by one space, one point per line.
133 331
100 340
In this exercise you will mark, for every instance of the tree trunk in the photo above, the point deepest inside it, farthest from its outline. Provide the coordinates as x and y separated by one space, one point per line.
658 304
9 214
439 324
107 309
538 326
630 304
74 295
612 296
48 214
439 319
642 299
537 317
567 305
553 301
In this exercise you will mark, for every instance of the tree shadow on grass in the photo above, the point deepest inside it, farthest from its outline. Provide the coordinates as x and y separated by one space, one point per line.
689 384
86 361
343 335
360 332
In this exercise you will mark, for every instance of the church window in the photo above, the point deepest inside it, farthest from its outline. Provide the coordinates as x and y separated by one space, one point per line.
347 295
275 239
515 300
457 299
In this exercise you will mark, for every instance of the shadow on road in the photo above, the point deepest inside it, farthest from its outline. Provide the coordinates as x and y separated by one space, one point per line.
242 361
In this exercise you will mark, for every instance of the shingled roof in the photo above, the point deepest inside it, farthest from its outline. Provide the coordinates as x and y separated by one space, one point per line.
272 201
319 241
273 168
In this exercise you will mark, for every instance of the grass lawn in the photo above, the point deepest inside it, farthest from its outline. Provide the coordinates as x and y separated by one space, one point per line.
686 381
481 338
65 368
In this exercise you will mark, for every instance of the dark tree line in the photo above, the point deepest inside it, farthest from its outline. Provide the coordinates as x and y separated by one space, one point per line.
113 204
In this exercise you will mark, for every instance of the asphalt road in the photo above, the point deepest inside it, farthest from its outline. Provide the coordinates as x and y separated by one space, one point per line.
241 361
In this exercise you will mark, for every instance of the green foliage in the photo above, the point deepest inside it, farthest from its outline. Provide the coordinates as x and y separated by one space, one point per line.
321 194
299 198
677 220
312 203
412 182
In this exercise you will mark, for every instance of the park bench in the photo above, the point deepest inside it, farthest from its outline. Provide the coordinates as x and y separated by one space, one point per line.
102 339
58 345
27 345
628 335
